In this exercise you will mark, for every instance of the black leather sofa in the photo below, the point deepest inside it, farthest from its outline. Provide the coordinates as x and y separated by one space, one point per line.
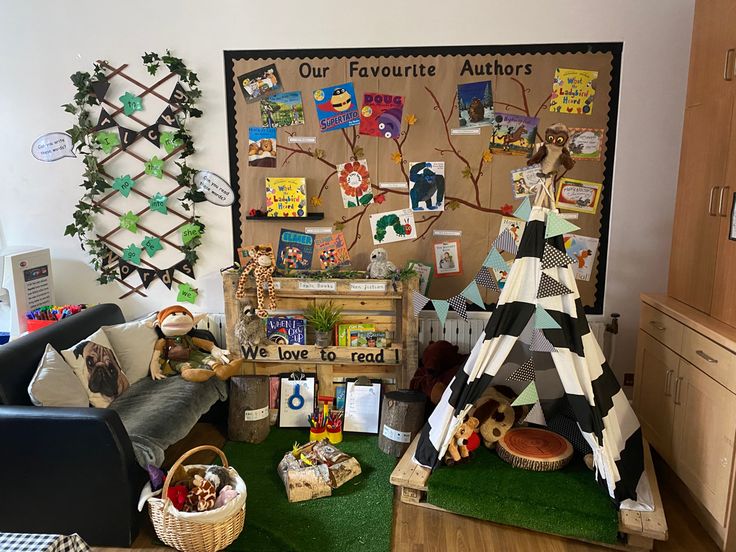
65 470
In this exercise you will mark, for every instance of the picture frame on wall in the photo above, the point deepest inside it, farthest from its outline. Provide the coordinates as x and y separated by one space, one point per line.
447 258
425 272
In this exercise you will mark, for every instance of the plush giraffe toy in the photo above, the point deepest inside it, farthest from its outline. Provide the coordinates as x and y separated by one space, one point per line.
262 263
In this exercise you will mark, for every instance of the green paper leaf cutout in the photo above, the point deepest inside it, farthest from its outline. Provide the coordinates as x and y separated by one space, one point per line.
132 254
186 294
107 140
366 199
129 221
152 245
131 103
155 167
169 142
189 232
158 203
123 184
351 204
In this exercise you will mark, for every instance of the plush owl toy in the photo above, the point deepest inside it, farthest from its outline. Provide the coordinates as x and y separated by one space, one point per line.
380 266
552 156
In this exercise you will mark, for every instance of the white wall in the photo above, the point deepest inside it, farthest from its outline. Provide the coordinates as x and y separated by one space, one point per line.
42 42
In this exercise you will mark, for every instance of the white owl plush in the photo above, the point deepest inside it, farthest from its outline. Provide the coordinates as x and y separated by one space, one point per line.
380 267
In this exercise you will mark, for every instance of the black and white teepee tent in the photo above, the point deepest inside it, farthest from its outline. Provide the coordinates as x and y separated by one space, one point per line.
538 341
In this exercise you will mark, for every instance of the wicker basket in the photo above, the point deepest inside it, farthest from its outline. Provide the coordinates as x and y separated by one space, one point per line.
188 535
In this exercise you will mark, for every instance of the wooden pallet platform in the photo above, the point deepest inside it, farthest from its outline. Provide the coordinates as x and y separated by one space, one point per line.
640 529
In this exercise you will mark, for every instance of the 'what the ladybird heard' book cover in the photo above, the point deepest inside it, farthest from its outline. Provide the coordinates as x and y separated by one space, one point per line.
286 197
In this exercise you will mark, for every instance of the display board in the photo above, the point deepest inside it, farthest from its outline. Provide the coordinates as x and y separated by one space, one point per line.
430 135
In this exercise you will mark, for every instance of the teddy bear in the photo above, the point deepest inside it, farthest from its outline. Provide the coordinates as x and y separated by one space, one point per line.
440 363
496 415
463 442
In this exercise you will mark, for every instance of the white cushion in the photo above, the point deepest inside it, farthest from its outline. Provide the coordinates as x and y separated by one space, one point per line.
95 364
55 383
133 343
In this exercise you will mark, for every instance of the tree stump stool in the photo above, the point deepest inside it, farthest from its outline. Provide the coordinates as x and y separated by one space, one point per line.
248 418
402 417
534 449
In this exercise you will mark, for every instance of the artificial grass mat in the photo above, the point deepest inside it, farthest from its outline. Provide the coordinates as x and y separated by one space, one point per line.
357 516
566 502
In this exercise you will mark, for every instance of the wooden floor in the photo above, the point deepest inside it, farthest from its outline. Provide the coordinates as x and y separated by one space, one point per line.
417 529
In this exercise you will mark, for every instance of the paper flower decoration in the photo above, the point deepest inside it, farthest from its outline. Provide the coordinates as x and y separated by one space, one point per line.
411 119
507 209
396 157
131 103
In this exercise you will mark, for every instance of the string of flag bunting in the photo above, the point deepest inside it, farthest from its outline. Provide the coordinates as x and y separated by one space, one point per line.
485 277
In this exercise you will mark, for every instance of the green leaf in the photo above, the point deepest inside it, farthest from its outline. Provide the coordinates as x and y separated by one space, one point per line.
365 199
70 230
352 204
70 108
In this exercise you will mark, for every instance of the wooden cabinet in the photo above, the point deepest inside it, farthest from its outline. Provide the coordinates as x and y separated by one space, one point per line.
701 251
685 398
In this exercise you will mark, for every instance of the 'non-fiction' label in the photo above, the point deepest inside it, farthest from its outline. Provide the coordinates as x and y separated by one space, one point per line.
255 415
368 286
396 435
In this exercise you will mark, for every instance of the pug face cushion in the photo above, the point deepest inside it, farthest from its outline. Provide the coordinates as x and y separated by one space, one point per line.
96 366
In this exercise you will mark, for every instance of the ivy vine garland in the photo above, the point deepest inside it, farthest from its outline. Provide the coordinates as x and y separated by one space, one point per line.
90 142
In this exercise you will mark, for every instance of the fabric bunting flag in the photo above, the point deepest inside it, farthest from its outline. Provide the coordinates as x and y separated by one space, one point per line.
166 275
100 88
458 305
147 276
486 278
127 136
527 396
125 269
524 210
185 267
536 415
441 307
505 242
553 257
105 120
178 95
419 301
540 343
152 134
525 372
549 287
495 260
168 118
472 294
556 226
544 321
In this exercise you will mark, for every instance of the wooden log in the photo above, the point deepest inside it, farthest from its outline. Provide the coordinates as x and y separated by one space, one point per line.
534 449
402 417
248 415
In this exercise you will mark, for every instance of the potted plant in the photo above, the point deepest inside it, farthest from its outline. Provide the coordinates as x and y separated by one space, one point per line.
323 317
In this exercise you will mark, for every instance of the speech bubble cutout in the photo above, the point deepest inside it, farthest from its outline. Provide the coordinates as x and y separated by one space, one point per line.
215 189
52 147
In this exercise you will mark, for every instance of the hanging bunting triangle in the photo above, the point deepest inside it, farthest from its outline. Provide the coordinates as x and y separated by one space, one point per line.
166 275
556 226
525 372
536 415
540 344
495 260
486 278
147 276
152 134
168 118
441 307
100 88
552 257
544 321
125 269
105 120
524 210
185 267
527 333
178 95
505 242
472 294
458 305
127 136
418 300
549 287
527 396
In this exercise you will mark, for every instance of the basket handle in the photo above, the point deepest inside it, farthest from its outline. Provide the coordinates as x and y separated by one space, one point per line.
165 491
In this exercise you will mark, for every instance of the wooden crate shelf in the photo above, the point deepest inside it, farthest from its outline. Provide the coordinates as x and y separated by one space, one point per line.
363 301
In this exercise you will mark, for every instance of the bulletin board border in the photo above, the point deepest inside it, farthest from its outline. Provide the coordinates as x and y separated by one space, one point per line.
613 48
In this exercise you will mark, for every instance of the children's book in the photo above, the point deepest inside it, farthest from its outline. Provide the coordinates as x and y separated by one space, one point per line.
331 250
261 147
286 197
336 107
573 91
381 115
355 183
344 332
583 250
427 186
281 110
285 330
513 134
260 83
586 143
295 250
475 104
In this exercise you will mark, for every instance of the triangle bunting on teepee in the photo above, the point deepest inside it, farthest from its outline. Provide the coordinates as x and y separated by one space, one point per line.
556 226
549 287
544 321
505 242
524 210
525 372
536 415
527 396
419 301
554 257
540 343
495 260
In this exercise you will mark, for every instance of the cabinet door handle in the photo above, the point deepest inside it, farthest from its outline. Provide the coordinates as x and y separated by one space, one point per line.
728 65
706 357
678 386
710 200
720 202
667 382
657 326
